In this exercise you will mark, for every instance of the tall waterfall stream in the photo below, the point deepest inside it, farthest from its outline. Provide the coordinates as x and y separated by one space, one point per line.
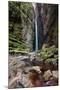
35 21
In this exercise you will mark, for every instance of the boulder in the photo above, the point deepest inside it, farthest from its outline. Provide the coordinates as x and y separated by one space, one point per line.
37 68
47 74
55 74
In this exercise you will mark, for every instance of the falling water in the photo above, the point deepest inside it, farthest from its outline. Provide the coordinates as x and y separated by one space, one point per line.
36 32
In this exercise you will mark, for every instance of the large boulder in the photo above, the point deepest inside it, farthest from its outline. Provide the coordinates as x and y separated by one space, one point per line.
55 74
47 74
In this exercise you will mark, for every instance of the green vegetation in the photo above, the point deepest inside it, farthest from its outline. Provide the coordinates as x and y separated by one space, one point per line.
49 53
19 18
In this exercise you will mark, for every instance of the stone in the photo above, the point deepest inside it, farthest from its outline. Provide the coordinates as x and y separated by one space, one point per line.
32 56
47 74
37 68
55 74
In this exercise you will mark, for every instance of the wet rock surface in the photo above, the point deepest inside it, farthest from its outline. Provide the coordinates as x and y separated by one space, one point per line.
19 67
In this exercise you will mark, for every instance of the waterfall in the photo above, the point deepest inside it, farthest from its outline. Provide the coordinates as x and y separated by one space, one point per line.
35 20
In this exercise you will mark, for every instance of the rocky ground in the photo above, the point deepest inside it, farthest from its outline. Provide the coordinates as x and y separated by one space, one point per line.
20 67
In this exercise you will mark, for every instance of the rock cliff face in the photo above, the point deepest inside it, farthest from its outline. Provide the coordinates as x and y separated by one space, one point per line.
22 26
50 22
47 24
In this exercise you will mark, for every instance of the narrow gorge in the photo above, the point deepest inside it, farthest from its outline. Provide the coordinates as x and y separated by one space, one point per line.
33 45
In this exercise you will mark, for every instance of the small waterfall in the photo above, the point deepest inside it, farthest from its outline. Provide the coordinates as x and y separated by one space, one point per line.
36 32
